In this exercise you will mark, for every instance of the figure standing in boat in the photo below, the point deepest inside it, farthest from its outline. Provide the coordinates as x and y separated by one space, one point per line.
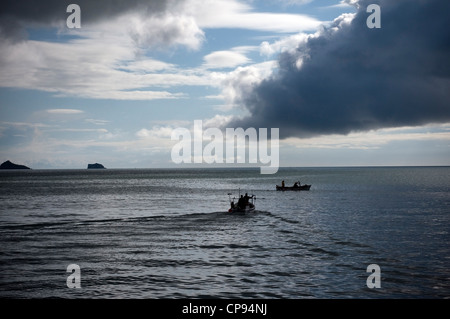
245 204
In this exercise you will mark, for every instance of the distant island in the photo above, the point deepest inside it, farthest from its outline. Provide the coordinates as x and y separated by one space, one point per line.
10 165
95 166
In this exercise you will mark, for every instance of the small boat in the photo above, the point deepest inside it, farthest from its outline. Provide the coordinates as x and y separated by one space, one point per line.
294 188
242 206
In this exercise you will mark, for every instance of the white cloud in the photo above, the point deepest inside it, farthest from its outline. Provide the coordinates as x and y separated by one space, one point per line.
293 2
372 139
165 31
292 43
225 59
217 121
285 44
146 65
344 4
156 132
97 122
79 130
24 125
237 15
104 61
241 81
108 59
89 68
134 95
64 111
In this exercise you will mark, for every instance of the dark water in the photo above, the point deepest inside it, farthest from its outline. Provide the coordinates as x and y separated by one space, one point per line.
167 233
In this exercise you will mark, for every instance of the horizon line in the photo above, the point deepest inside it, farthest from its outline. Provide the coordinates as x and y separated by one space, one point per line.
229 167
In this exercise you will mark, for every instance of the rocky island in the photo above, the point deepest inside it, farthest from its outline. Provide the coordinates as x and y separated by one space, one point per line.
95 166
10 165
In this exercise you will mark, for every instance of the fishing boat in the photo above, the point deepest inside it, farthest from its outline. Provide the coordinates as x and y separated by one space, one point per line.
245 204
294 188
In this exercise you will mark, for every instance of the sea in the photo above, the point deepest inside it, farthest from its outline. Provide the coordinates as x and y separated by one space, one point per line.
359 233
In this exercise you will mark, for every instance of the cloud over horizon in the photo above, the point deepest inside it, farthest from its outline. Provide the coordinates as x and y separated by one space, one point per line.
348 78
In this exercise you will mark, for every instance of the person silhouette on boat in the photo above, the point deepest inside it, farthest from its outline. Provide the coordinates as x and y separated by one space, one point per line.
282 184
247 200
296 185
241 202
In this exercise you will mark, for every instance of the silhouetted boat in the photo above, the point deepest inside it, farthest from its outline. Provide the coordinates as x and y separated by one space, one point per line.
294 188
239 207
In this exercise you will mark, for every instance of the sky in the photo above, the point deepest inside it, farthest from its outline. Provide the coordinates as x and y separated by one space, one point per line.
114 90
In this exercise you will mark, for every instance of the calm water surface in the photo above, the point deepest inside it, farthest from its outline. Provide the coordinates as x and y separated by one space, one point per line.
167 234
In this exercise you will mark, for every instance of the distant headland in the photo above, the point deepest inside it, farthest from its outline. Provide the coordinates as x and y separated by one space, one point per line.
10 165
95 166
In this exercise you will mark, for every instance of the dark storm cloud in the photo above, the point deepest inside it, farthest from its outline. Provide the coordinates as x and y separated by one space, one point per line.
357 79
15 15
